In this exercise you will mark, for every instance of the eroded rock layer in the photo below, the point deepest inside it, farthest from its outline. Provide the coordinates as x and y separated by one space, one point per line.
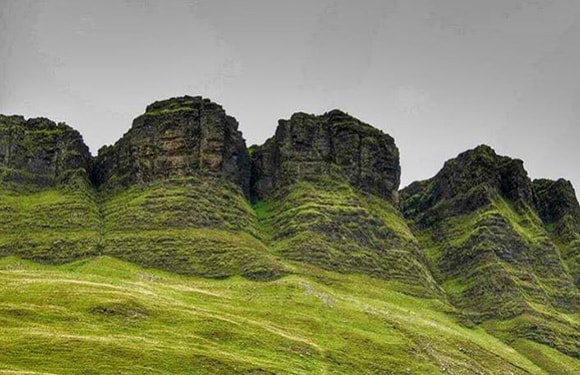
178 137
308 146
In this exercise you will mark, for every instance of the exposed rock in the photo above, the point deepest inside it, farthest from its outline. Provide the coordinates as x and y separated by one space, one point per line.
468 182
39 153
308 146
557 202
178 137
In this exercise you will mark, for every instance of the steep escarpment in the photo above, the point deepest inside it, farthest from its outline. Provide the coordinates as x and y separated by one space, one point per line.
178 137
307 146
37 153
559 209
325 187
450 275
479 222
48 209
173 193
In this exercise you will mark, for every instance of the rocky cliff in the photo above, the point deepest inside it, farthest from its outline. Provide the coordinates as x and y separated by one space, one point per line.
48 209
326 189
181 192
39 153
479 221
178 137
307 146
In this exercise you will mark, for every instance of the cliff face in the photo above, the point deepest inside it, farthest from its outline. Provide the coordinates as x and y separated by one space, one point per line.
39 153
558 205
181 192
467 183
179 137
308 146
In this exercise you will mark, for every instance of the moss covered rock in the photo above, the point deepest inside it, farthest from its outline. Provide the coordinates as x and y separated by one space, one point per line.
479 226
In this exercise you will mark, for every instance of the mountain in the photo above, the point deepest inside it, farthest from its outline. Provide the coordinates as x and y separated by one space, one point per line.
180 250
479 224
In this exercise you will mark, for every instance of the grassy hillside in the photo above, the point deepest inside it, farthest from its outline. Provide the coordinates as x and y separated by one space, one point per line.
326 222
50 225
106 316
187 225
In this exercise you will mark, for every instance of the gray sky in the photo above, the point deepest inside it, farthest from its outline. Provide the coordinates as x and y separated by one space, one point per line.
439 76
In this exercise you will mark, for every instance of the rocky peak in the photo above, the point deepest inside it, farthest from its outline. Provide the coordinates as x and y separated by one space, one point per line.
40 153
308 146
468 182
177 137
482 166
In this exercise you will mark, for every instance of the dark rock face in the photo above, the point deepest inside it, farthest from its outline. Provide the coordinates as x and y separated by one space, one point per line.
557 201
482 166
468 182
308 146
37 152
175 138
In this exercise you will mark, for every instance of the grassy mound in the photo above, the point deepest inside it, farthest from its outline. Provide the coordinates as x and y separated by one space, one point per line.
50 225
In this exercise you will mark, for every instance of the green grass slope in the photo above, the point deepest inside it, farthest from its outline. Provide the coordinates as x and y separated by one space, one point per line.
54 225
187 225
326 222
105 316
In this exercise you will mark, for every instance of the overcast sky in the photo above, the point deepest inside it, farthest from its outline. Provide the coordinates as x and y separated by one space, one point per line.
439 76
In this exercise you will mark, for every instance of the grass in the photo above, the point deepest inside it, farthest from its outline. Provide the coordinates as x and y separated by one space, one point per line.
55 225
327 223
188 225
103 315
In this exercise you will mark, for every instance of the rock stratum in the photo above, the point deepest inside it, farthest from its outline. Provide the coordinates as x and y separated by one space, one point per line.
181 192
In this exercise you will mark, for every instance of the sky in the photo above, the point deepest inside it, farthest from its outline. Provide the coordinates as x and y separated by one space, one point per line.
441 76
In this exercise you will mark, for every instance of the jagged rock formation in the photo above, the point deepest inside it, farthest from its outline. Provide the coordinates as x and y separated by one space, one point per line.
558 205
307 146
478 224
39 153
177 137
559 209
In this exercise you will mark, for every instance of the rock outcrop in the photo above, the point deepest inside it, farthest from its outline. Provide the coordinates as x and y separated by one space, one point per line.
178 137
48 210
557 203
467 183
39 153
308 146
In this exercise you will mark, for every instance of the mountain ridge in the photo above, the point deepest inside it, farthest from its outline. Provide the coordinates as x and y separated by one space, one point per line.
181 192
